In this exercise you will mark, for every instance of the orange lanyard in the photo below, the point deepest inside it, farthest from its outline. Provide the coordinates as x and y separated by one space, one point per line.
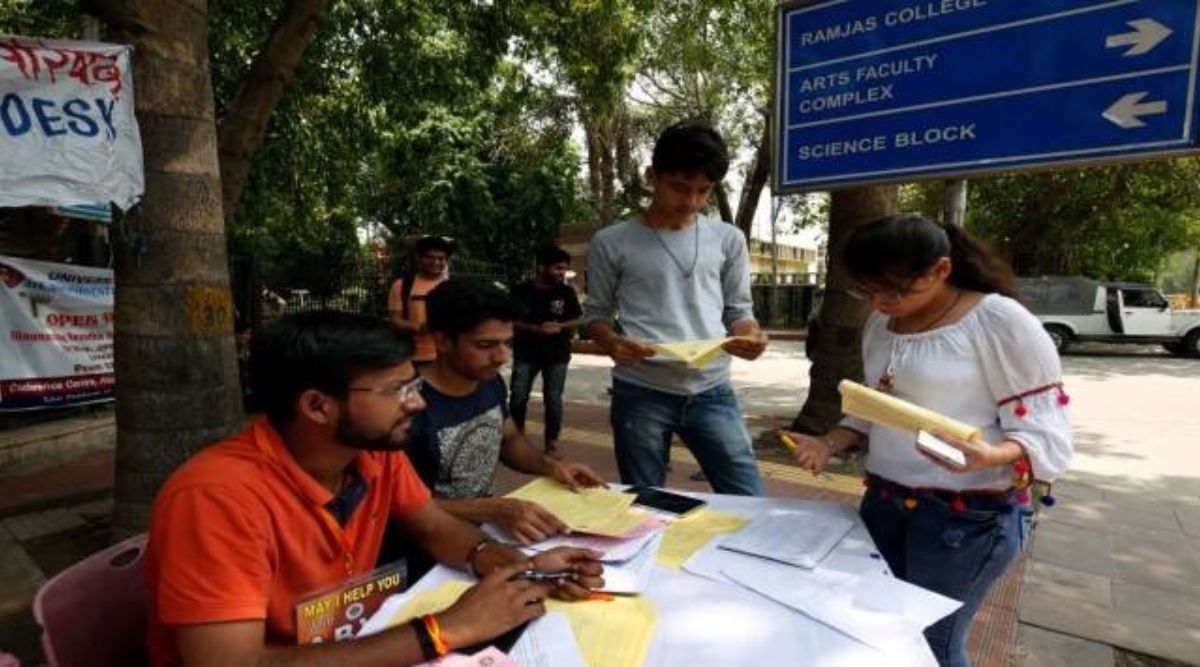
340 535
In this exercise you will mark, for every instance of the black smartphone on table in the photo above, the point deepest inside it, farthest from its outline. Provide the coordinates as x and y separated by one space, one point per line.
664 501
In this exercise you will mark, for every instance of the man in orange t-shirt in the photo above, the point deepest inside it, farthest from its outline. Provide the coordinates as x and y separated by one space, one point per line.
406 305
298 502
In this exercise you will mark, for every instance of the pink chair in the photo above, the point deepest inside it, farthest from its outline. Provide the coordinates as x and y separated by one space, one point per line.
94 613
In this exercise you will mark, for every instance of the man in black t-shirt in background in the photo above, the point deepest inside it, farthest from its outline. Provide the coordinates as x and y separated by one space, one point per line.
550 313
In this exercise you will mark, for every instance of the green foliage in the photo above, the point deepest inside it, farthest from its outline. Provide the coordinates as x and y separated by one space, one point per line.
1119 222
1178 271
591 45
409 115
712 59
40 18
1116 222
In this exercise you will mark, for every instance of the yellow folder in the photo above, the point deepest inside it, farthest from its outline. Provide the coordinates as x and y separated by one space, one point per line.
886 410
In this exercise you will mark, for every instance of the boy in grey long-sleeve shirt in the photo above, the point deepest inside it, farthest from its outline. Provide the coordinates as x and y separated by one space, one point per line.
674 275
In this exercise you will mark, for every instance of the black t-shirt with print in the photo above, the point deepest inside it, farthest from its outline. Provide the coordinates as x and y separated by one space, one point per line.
556 304
454 444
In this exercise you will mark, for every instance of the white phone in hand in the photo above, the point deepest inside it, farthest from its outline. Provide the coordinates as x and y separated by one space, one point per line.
941 450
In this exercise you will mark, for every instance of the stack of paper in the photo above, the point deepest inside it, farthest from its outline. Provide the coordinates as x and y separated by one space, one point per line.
615 549
856 555
886 410
607 633
595 511
632 576
628 562
794 537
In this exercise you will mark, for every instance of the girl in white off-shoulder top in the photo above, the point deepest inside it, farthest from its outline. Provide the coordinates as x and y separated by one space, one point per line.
946 333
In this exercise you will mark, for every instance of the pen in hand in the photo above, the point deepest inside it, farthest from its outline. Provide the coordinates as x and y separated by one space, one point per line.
556 577
534 575
791 445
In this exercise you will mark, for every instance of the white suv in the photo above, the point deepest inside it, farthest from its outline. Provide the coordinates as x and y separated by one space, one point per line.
1078 309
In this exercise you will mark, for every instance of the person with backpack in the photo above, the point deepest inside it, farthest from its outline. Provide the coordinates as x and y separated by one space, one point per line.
406 299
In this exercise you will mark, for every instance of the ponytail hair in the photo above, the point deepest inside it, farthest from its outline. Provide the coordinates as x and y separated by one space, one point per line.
896 250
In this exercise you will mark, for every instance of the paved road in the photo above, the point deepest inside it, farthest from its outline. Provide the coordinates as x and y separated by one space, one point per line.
1136 409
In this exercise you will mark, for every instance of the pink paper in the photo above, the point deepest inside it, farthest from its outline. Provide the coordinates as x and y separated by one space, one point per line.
488 657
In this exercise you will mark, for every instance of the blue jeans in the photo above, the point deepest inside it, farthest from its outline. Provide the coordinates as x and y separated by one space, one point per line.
957 554
709 423
554 378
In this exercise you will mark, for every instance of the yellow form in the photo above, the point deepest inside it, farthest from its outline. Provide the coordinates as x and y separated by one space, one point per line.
611 633
886 410
595 511
431 601
697 353
686 536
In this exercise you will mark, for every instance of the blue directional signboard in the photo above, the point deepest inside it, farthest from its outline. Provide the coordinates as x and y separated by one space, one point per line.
871 91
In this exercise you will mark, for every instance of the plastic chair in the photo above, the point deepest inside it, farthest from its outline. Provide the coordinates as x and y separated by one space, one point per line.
95 613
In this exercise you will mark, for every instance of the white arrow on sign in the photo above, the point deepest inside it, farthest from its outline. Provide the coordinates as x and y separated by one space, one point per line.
1147 34
1128 110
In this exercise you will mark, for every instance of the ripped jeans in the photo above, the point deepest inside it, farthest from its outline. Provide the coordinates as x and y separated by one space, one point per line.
957 554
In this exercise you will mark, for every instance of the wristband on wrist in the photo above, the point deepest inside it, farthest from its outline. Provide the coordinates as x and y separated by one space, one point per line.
473 555
435 633
424 639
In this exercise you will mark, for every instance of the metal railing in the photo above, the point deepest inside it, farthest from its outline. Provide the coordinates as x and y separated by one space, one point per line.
783 306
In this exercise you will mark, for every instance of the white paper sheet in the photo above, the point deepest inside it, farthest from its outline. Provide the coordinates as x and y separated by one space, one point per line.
721 623
633 576
854 556
796 537
548 642
856 605
383 616
615 549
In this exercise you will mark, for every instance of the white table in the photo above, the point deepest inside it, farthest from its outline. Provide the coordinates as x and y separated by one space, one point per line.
717 623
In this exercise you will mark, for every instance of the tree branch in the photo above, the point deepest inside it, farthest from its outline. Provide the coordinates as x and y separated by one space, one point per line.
245 124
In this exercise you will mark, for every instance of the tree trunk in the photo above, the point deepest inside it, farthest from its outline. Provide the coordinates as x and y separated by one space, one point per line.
245 123
837 350
595 153
601 132
723 204
753 187
608 170
627 171
177 388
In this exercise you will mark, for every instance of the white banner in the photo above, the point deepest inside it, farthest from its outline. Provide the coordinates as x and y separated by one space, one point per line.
56 334
67 130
